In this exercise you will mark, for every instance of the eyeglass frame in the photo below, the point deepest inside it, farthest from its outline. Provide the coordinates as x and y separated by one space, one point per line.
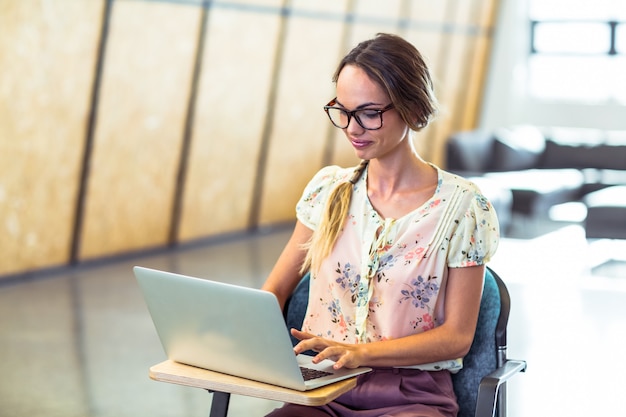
352 114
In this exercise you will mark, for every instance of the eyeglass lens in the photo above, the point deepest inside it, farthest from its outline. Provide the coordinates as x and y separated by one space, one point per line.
368 119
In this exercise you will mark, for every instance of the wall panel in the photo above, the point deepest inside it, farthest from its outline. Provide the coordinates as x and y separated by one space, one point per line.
425 32
450 88
453 69
177 155
229 121
299 126
370 19
371 11
145 90
425 28
479 60
47 60
259 3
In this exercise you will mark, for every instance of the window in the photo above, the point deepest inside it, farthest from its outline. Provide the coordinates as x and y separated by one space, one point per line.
578 50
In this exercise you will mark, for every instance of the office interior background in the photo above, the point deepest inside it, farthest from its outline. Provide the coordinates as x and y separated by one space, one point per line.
130 128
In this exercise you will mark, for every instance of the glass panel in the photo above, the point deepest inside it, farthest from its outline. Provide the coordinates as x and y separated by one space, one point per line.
618 85
618 10
576 35
582 38
573 78
620 38
572 9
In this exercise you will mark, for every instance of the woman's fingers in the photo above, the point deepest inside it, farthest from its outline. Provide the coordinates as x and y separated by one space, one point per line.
300 335
343 355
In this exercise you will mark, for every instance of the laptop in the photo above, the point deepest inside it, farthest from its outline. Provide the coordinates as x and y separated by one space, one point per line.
230 329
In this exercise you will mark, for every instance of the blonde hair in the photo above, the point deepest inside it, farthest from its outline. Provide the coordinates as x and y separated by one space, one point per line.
398 67
331 224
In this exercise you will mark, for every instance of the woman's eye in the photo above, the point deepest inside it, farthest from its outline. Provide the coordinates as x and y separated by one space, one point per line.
369 114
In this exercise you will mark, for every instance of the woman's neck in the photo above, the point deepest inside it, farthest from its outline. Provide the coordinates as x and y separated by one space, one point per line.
400 173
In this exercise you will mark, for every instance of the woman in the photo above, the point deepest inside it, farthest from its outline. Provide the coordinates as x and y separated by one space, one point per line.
396 248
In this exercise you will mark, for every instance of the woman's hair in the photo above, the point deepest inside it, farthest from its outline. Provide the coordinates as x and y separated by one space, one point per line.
398 67
327 232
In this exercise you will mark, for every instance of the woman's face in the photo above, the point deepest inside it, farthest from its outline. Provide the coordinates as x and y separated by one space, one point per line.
355 91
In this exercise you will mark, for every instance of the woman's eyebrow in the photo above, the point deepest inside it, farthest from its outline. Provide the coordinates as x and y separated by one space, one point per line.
361 106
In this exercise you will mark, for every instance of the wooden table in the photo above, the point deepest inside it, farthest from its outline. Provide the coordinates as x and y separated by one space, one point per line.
222 385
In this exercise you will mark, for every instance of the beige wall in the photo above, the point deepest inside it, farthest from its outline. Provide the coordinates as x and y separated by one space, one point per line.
47 64
205 121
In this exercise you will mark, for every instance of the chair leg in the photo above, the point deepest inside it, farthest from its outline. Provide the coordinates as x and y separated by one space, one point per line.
501 410
219 405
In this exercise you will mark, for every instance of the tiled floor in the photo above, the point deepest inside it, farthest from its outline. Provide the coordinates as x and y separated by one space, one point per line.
80 343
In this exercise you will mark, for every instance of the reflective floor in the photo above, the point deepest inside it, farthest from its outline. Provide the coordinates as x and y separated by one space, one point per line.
80 343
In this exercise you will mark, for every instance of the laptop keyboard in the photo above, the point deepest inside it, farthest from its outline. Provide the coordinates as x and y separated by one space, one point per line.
309 373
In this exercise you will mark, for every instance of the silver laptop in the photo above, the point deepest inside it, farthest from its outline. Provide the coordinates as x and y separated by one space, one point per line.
229 329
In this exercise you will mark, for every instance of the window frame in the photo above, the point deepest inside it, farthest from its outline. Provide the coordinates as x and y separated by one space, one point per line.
612 47
612 52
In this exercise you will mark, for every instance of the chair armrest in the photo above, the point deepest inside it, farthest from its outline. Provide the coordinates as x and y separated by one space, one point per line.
489 385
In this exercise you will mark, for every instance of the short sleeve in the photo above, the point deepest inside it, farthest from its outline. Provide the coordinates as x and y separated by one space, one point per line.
313 200
477 235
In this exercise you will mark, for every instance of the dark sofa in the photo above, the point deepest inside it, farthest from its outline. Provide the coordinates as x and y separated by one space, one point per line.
542 167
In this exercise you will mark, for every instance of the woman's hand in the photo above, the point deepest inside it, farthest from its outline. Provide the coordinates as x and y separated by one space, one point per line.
344 355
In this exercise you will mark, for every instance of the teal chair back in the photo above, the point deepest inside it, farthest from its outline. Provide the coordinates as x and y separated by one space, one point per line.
482 358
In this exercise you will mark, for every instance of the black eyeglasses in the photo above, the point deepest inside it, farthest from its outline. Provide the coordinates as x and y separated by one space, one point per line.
369 119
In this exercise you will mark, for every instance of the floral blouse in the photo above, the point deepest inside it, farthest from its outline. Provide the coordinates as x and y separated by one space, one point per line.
386 278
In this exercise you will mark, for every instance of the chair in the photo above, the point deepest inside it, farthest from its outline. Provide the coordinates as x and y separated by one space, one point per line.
480 386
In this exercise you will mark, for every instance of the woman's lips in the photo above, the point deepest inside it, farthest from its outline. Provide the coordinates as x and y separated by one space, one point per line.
360 143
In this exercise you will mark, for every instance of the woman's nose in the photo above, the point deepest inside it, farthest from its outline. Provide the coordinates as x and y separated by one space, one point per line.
354 126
